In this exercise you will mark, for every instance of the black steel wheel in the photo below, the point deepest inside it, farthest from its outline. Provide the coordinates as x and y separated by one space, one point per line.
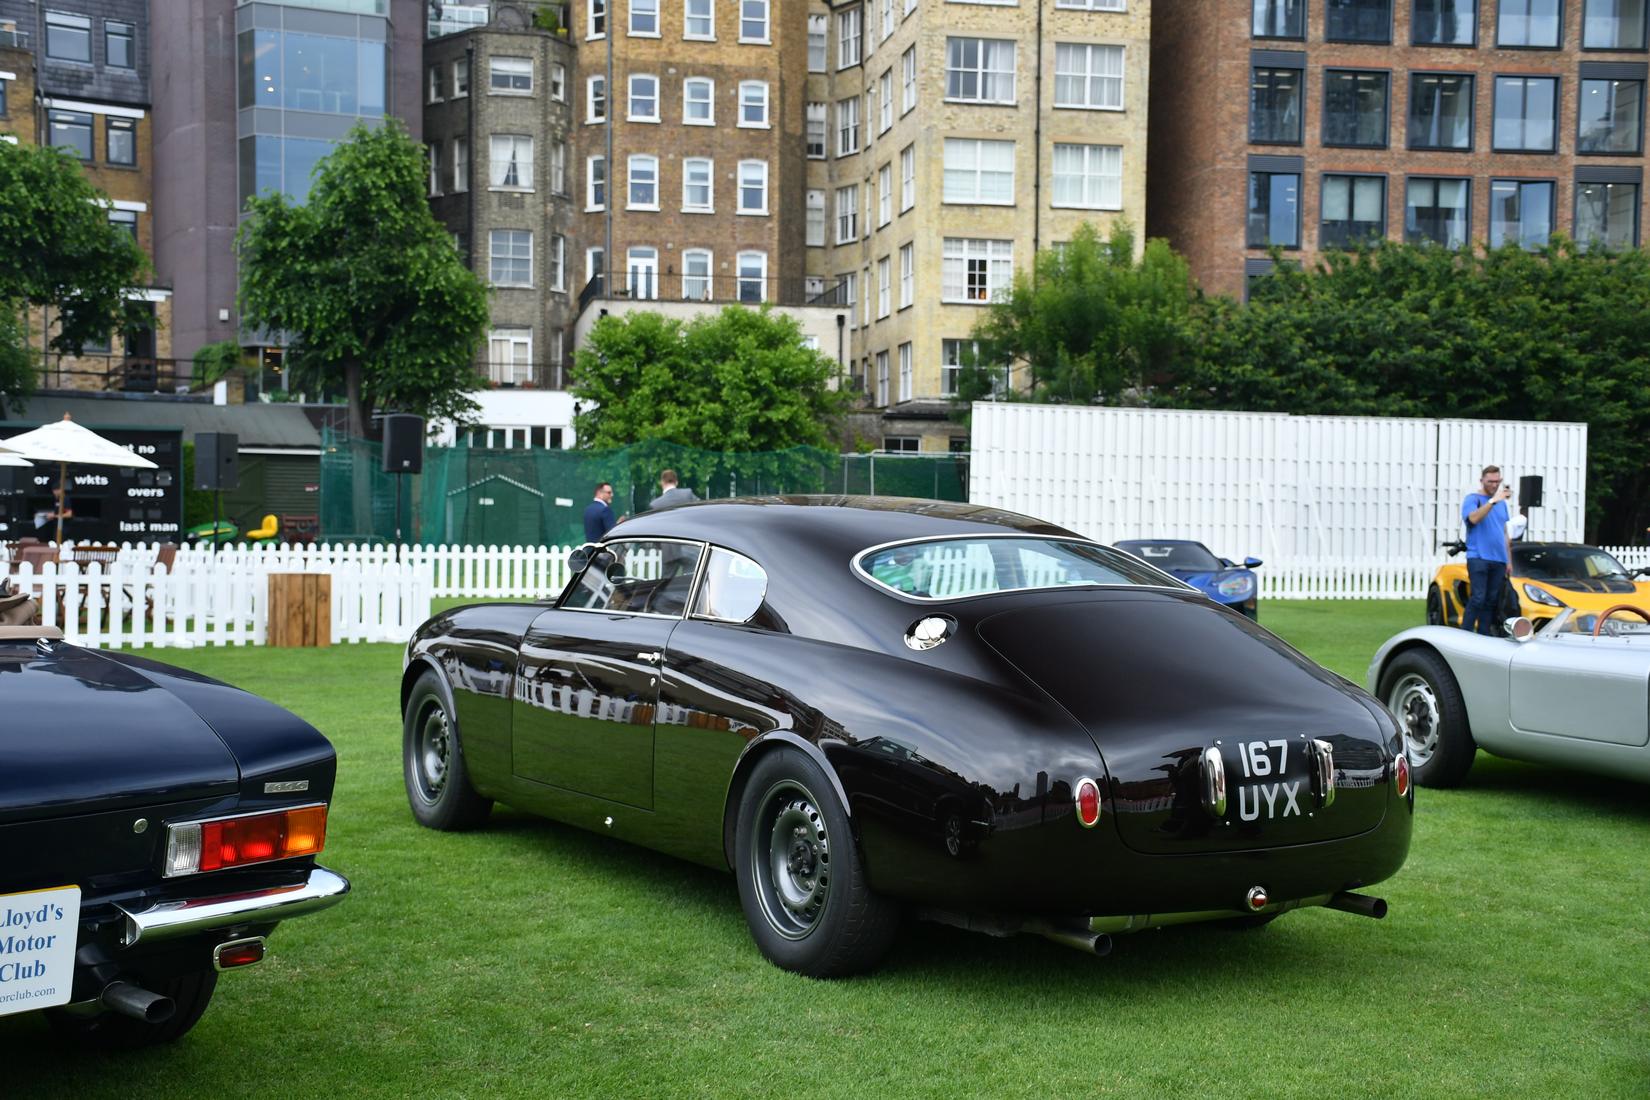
1420 689
1435 606
801 881
438 784
190 993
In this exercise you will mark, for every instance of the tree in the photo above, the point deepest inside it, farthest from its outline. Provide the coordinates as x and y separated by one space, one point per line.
1090 323
60 252
365 284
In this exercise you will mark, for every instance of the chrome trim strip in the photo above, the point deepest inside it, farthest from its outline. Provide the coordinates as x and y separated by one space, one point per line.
1325 754
1174 583
1214 782
248 813
170 919
693 589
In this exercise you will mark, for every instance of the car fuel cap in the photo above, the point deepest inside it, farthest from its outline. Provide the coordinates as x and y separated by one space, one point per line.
930 631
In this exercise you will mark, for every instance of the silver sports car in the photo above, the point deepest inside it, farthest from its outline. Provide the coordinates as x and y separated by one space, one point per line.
1576 694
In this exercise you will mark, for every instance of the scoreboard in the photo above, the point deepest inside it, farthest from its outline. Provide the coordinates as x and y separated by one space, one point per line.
110 504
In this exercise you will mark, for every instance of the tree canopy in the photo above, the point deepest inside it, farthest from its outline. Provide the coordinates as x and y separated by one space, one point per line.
61 252
738 380
365 284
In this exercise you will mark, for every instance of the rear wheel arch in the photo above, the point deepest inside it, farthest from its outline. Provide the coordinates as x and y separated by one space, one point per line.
747 762
1447 757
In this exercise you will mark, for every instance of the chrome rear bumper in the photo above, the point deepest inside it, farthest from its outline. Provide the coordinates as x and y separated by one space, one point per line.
170 919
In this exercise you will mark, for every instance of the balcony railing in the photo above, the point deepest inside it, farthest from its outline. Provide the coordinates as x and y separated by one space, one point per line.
11 36
445 19
114 374
642 284
517 374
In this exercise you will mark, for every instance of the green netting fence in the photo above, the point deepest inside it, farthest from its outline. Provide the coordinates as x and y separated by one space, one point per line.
535 496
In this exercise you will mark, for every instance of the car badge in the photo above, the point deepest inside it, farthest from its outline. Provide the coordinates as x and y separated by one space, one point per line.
288 786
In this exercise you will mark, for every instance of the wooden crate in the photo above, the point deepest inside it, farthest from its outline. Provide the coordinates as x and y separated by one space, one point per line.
300 609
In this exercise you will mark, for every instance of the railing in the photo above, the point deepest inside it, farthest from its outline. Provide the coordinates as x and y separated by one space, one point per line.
713 289
539 373
115 373
445 19
11 36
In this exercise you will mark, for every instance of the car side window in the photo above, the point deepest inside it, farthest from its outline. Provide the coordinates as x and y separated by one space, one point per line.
643 576
733 588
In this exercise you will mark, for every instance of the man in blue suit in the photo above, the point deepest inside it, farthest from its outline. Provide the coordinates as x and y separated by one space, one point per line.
598 514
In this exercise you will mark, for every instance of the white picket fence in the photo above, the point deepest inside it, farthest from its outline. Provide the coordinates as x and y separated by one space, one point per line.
478 572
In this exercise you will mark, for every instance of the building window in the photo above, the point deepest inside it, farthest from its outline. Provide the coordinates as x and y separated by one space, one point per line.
816 219
118 50
644 98
594 265
905 388
1607 215
885 286
461 78
907 274
510 356
1093 5
1526 114
511 251
697 196
1353 211
1358 20
907 178
850 294
643 179
908 79
510 75
884 392
979 171
1437 210
1521 213
1279 18
558 167
847 126
698 101
753 187
1088 76
1611 117
847 214
126 220
954 355
3 98
847 38
68 37
753 103
818 28
598 18
901 444
512 162
885 194
433 156
1613 25
71 130
432 87
817 129
696 274
558 82
1445 22
644 18
642 272
1355 108
1440 111
753 24
1088 177
1275 105
974 272
558 262
1274 209
885 101
979 70
461 164
753 276
1529 23
120 140
595 99
595 183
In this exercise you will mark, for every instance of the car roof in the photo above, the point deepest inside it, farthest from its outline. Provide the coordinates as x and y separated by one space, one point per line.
1158 542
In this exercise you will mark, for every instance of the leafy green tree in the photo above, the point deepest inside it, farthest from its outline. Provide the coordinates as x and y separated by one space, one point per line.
1090 323
365 283
60 252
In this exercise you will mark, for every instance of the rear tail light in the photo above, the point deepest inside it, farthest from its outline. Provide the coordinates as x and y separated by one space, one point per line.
1400 773
240 841
227 956
1087 797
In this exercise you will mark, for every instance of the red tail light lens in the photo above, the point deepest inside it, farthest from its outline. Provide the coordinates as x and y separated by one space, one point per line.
247 839
1400 773
1087 797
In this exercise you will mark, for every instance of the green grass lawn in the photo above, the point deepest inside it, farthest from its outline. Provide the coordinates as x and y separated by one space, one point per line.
535 960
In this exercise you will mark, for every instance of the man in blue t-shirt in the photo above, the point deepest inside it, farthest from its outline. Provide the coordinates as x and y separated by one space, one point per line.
1489 551
598 514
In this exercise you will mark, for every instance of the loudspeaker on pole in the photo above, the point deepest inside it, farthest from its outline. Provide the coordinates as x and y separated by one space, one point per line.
1529 492
217 461
403 444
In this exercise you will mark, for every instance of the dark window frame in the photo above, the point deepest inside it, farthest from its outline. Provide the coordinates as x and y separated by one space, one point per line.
1431 177
1472 44
1306 24
1563 11
1552 205
1386 204
1300 104
73 119
111 125
1386 110
1581 90
129 34
1644 37
3 112
1300 183
46 23
1391 17
1472 113
1558 110
1575 204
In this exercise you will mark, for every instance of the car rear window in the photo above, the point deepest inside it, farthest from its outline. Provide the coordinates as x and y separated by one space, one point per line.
951 569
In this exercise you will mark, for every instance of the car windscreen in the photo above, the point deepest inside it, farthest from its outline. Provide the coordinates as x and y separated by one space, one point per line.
1193 557
1564 563
950 569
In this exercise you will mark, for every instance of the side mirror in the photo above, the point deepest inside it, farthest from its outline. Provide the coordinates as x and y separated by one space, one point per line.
1252 563
1642 571
1519 629
1228 563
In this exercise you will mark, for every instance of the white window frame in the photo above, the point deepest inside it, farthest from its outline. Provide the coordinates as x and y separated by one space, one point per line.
976 196
1093 5
709 276
503 371
595 13
509 256
753 93
847 214
982 74
558 167
885 286
689 164
1089 73
884 392
558 263
513 153
885 194
759 174
634 265
590 165
461 78
741 277
814 221
888 21
817 123
591 83
850 294
633 8
765 7
1089 176
461 165
707 12
631 97
432 83
558 82
850 24
908 79
885 100
905 371
512 68
595 263
709 100
907 273
847 126
433 150
962 257
907 178
647 162
819 43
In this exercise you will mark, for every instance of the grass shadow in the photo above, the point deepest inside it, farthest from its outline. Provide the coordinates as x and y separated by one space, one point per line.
1573 789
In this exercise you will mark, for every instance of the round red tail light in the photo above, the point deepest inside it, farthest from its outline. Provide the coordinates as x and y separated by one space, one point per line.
1400 773
1088 802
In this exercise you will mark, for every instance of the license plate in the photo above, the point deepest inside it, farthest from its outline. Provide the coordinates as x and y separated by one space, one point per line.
38 930
1272 780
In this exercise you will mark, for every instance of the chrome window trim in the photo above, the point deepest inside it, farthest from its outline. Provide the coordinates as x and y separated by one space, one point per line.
1173 584
693 589
699 584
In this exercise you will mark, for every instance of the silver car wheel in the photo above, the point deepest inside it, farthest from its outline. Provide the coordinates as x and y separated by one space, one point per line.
1416 705
793 869
434 747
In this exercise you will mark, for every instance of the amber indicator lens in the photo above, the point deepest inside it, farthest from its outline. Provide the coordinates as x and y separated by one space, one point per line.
239 841
1088 803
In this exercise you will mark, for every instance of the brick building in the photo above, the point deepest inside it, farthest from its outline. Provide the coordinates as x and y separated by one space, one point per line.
1312 124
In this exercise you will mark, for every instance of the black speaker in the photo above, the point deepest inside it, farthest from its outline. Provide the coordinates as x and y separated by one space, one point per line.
403 444
1529 492
217 460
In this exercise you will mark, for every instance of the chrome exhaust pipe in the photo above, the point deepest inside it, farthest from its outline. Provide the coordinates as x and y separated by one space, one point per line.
1361 904
130 999
1090 943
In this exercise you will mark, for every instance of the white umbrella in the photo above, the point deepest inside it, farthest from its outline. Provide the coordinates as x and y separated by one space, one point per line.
9 458
65 442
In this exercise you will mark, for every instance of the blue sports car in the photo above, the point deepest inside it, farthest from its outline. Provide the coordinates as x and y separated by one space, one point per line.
1220 579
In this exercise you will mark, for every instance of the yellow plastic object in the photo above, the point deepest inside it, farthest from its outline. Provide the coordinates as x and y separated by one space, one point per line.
270 527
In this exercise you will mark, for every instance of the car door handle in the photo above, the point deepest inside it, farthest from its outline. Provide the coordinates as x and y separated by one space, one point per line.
649 656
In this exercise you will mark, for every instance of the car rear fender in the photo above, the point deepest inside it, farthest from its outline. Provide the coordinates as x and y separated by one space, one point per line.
750 757
1479 664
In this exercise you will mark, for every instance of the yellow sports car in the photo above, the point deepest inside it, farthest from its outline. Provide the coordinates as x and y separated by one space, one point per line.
1546 577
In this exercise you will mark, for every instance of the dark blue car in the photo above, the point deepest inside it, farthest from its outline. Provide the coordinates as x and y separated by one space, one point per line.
1221 579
